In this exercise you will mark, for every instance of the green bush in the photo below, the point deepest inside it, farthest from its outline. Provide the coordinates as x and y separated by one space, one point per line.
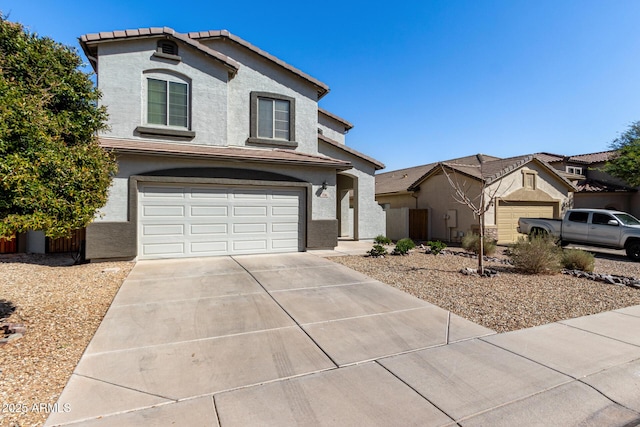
382 240
436 247
577 259
377 251
471 243
538 255
403 246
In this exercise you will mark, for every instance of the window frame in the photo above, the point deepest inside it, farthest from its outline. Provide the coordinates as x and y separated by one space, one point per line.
166 129
254 137
529 174
575 170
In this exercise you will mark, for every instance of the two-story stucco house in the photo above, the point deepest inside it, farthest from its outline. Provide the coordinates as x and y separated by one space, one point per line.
222 149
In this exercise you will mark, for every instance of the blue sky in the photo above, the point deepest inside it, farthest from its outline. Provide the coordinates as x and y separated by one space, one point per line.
422 81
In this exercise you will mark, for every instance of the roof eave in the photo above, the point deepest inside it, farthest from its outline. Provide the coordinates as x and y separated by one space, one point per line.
321 88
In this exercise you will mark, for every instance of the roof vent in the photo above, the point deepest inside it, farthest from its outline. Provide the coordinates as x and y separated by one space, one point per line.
167 47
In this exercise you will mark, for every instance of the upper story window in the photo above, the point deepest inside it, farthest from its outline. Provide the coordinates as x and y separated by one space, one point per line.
574 169
166 105
272 120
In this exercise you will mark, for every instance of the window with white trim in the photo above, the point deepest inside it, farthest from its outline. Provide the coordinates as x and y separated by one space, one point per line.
574 169
272 120
167 103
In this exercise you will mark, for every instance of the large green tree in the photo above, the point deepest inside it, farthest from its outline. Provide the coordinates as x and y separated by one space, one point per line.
53 174
625 164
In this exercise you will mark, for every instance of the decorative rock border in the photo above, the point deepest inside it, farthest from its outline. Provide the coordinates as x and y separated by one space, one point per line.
611 279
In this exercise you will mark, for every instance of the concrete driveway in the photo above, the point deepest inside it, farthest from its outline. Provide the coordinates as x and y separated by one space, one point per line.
295 339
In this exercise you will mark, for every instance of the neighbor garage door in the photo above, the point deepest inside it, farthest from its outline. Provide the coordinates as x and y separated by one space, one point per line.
200 220
509 212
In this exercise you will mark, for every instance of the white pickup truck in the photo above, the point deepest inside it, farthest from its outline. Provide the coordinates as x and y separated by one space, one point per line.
593 227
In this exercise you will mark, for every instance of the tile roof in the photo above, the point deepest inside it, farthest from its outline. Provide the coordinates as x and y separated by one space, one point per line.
595 186
322 88
492 170
599 157
192 39
378 165
255 155
399 181
589 158
346 124
90 39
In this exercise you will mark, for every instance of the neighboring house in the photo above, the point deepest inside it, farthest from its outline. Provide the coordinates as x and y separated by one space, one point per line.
596 188
222 149
523 186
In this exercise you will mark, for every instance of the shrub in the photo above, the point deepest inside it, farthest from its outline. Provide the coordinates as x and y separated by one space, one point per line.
577 259
377 251
539 254
436 247
382 240
403 246
471 243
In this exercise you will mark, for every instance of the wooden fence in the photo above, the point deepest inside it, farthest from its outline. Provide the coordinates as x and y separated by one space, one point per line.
67 244
8 246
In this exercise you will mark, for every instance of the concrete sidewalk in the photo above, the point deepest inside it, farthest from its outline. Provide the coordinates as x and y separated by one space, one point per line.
295 339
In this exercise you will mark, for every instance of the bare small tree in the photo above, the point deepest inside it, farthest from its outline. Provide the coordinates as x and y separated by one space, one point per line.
478 203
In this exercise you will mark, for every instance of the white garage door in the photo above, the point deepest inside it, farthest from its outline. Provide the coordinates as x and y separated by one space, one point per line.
202 220
509 213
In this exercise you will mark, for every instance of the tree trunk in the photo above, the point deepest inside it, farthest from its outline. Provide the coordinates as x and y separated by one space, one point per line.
481 246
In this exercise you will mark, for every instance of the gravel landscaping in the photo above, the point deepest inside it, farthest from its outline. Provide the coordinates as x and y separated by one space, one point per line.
59 307
508 301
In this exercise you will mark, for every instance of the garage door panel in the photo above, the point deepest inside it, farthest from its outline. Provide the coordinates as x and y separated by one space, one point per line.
204 193
201 220
250 228
255 211
163 211
208 229
164 248
219 247
284 227
250 195
284 211
250 245
163 230
283 243
153 192
209 211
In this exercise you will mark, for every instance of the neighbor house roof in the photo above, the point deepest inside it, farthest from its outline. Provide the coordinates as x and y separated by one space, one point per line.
399 181
345 123
595 186
241 154
322 88
491 170
378 165
88 42
589 158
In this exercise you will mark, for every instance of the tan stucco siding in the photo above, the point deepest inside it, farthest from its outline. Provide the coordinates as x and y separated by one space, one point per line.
397 201
436 194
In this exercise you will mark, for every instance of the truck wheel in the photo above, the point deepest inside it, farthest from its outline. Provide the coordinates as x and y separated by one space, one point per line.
538 232
633 250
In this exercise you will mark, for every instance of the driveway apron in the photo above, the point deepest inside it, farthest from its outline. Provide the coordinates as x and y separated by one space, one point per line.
295 339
